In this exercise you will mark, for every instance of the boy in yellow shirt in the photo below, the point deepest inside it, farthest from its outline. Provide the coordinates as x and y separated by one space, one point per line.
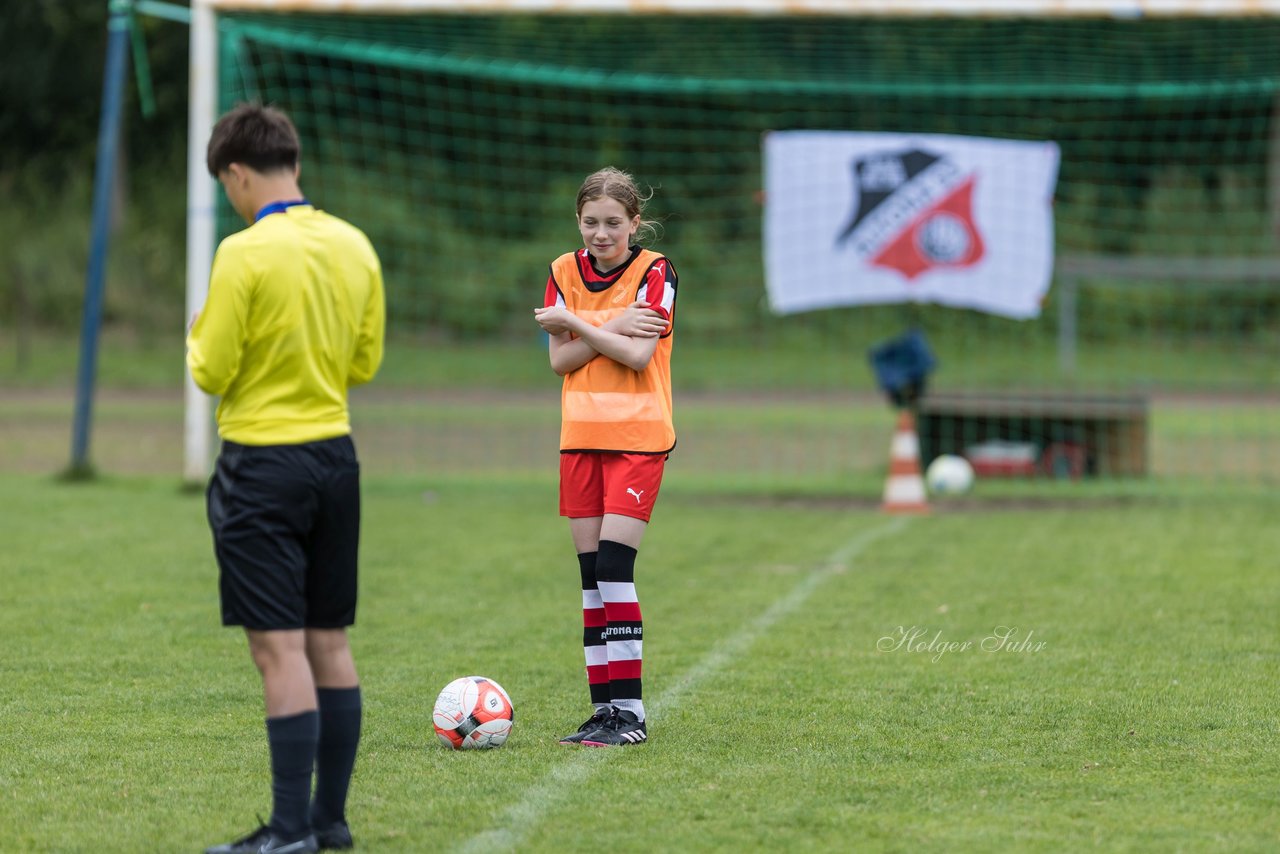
295 316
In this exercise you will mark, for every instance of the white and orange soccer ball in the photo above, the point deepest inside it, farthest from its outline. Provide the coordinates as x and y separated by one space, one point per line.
473 713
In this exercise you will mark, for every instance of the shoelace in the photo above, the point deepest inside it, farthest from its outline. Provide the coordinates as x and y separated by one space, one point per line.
594 722
614 721
262 827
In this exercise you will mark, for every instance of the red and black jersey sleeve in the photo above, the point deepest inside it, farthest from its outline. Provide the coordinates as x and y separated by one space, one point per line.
659 290
552 296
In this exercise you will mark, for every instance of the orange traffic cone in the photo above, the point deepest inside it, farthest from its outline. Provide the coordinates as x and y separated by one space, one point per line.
904 490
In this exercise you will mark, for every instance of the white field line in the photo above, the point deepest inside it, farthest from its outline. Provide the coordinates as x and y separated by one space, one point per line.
522 816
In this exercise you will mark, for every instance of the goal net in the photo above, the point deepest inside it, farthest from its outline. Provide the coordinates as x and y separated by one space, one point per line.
457 141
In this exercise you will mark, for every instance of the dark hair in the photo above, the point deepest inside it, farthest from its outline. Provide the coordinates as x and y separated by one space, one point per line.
618 185
262 138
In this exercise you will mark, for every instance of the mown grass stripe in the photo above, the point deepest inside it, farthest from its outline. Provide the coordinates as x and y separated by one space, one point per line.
523 816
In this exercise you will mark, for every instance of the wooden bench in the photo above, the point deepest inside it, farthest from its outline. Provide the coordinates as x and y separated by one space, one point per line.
1075 435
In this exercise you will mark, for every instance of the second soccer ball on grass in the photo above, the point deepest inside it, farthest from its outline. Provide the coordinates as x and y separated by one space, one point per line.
949 474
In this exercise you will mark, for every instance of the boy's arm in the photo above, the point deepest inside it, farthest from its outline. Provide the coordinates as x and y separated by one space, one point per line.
372 334
215 343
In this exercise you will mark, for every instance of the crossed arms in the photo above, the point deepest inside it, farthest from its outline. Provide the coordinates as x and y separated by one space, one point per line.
629 339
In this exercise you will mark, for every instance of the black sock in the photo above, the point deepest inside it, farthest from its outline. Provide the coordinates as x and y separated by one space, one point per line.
340 714
293 755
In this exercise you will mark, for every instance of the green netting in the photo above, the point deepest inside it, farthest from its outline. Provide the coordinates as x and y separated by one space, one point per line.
458 143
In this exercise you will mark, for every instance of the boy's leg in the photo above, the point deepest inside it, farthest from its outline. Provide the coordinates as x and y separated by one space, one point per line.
341 710
292 726
257 509
331 607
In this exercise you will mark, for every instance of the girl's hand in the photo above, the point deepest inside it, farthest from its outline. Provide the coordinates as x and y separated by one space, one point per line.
639 321
554 320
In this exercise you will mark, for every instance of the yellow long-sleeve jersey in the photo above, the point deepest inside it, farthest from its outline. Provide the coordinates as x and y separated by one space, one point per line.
295 316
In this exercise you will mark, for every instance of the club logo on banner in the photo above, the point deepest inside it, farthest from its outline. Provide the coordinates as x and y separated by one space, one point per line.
913 212
858 218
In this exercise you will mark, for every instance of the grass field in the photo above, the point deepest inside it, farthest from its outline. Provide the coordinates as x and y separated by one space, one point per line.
806 671
794 419
820 677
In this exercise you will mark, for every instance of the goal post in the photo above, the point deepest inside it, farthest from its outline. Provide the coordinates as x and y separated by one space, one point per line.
197 432
449 129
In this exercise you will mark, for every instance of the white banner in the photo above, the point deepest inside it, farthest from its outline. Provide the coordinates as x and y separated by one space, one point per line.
855 218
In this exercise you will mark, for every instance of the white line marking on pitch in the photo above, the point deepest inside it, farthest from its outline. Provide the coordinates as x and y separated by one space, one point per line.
522 816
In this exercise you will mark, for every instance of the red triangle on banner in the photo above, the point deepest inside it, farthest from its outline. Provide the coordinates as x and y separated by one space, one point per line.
942 236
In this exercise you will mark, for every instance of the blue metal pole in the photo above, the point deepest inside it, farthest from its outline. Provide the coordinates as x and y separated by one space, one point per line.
104 182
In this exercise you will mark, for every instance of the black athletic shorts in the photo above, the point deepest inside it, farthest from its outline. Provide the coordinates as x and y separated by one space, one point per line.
286 531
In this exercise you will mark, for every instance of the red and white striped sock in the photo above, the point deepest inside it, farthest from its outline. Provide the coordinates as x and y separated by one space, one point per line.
593 628
624 630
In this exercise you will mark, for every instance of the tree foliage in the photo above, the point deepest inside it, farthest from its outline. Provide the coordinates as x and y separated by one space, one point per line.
51 86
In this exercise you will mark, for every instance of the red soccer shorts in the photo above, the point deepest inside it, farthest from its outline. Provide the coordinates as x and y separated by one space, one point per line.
596 484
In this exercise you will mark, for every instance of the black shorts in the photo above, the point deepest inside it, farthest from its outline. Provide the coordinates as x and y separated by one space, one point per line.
286 531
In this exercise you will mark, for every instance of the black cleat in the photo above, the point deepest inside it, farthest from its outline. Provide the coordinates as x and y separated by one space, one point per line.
621 728
263 841
593 723
335 837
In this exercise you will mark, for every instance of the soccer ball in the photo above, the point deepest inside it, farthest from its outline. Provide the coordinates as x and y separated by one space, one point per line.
473 713
949 475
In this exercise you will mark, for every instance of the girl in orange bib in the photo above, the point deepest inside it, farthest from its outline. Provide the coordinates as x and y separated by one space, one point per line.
609 312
